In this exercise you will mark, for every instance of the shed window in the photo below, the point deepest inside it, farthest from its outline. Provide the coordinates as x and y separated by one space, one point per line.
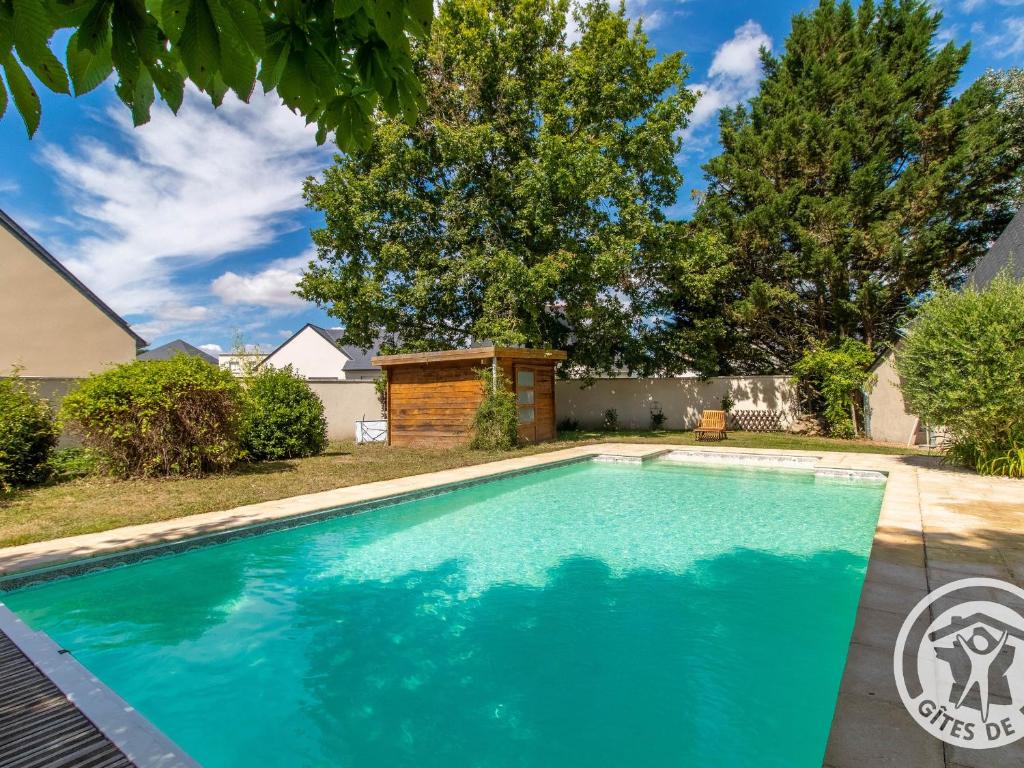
526 415
524 378
525 397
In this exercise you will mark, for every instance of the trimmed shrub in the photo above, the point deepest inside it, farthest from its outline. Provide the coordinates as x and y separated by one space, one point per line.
284 419
962 367
610 421
158 417
830 381
658 419
569 424
28 433
72 463
496 421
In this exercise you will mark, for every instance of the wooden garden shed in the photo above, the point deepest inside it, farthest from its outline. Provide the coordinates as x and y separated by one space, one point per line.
432 396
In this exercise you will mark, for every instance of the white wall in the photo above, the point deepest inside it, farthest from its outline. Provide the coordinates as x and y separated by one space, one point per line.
888 419
311 355
345 403
681 400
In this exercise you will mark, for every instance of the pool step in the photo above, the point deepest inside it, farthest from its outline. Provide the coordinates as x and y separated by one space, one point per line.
850 474
790 461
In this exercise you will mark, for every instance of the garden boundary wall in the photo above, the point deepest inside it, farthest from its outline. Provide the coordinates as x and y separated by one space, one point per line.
681 399
345 403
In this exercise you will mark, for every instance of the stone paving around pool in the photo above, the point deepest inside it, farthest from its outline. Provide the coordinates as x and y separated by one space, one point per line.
936 525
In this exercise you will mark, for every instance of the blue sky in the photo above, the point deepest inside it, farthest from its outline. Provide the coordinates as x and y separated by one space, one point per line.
194 226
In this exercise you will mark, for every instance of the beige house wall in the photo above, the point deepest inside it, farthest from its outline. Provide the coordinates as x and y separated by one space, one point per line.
888 419
47 326
345 403
681 400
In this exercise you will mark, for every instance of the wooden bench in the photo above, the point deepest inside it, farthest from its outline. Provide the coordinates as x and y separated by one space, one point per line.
712 426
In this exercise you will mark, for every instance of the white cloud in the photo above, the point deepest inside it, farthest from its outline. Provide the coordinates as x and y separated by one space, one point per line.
213 349
270 287
9 186
180 192
947 34
1010 41
969 6
732 77
739 58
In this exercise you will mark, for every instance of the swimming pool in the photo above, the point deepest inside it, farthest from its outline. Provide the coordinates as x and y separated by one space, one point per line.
585 615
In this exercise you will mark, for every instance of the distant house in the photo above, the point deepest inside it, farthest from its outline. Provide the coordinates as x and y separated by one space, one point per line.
887 418
51 325
315 354
240 364
177 347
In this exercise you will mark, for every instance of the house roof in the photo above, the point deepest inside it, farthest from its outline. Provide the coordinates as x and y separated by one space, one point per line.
356 358
51 261
1007 252
472 353
176 347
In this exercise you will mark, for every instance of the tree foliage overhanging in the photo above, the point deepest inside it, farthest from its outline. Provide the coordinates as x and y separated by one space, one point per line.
525 205
853 179
334 61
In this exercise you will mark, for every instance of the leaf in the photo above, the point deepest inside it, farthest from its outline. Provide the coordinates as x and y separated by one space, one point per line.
389 19
124 54
87 68
3 98
272 67
372 61
200 45
25 97
173 17
32 31
142 99
345 8
148 40
218 90
95 30
237 64
295 87
246 16
421 15
170 83
320 69
69 13
410 96
350 115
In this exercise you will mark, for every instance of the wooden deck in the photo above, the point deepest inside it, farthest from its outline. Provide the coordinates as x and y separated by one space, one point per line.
39 726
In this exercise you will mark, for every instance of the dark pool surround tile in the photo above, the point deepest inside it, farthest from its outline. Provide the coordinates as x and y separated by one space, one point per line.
141 554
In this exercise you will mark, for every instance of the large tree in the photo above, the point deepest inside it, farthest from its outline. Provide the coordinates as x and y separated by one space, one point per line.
525 205
853 179
333 61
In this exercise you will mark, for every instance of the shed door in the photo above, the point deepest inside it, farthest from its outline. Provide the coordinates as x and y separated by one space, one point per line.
526 402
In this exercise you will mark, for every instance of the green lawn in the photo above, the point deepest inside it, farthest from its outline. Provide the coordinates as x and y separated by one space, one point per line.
97 503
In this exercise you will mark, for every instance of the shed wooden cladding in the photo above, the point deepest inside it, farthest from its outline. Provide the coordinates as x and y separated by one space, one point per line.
432 396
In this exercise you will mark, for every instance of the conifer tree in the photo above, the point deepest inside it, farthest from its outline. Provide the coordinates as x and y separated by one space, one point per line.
853 179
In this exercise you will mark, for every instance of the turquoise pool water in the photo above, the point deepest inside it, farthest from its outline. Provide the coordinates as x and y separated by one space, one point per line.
587 615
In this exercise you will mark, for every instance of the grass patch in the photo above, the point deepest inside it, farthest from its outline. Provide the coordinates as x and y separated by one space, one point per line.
90 503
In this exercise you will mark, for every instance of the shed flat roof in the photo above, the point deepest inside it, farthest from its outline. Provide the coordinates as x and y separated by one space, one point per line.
472 353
